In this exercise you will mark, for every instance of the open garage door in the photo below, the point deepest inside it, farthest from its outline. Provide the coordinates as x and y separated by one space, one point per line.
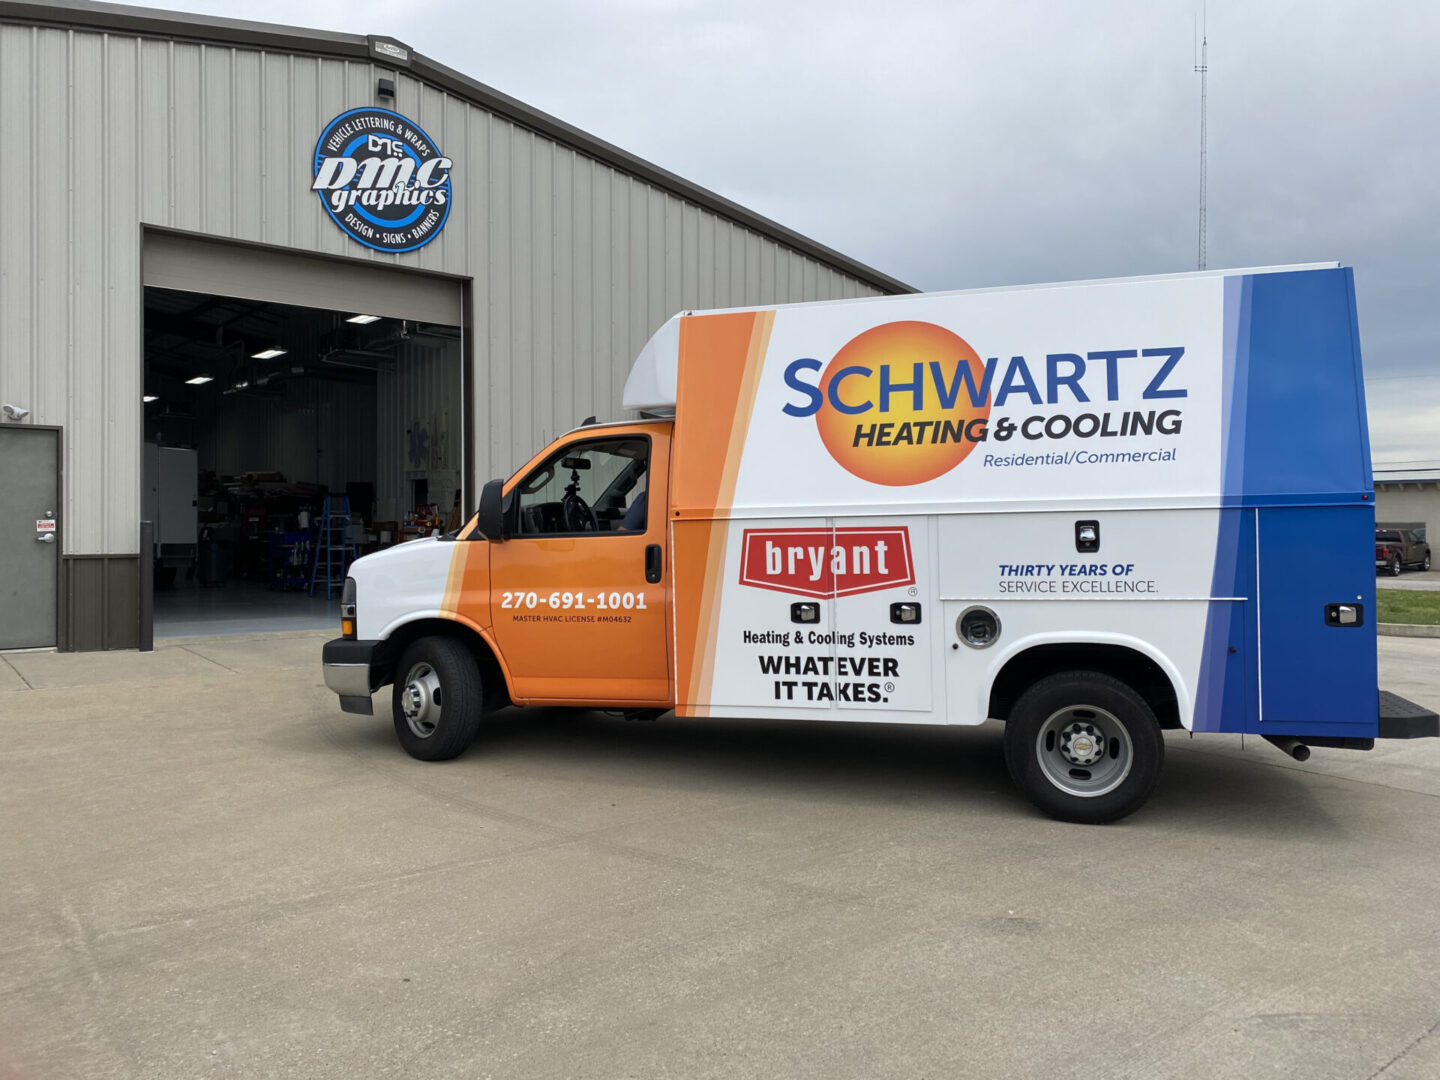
299 413
192 264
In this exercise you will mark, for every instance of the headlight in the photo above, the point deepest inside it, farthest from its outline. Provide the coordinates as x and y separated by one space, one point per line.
347 610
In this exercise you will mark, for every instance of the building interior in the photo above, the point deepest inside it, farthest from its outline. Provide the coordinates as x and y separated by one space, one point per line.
282 442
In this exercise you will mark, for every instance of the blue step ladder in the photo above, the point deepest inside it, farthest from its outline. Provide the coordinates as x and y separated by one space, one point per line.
334 545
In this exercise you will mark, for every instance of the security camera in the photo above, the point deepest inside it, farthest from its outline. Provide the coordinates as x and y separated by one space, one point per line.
15 412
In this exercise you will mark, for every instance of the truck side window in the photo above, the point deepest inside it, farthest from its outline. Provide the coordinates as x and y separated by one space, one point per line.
594 486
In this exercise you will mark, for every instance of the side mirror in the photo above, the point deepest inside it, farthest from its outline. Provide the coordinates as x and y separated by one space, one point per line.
491 518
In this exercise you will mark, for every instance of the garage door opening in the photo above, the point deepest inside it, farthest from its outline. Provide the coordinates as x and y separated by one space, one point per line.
281 442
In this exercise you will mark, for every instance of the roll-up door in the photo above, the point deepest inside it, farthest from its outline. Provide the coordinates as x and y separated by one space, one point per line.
194 264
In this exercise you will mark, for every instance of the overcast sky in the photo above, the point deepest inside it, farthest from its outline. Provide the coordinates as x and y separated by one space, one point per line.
957 144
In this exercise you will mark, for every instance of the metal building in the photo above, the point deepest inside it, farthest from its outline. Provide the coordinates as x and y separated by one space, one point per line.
150 156
1408 493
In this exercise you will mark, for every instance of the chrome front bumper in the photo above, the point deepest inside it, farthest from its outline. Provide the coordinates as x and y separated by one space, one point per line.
351 672
348 680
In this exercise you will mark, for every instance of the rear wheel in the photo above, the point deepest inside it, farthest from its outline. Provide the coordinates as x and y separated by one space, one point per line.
1084 747
1394 567
437 701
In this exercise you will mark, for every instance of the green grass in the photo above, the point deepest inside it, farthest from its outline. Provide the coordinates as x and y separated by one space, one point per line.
1404 606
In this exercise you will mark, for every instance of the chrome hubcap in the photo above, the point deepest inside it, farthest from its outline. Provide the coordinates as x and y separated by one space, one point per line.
1084 750
1081 743
420 701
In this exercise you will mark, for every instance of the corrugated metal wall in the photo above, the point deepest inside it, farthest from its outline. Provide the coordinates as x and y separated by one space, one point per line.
418 427
318 432
573 263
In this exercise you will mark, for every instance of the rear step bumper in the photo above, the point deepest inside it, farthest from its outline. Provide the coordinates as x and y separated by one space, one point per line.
1401 719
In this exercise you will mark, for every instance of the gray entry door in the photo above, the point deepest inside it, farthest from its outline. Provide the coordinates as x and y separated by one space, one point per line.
29 536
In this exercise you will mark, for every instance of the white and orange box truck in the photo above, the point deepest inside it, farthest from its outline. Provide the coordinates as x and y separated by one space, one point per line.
1092 511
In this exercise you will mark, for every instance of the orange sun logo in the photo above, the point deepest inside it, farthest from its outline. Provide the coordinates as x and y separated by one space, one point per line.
902 403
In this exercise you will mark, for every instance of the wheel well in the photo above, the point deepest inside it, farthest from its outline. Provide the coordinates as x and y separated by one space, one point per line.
1128 665
497 694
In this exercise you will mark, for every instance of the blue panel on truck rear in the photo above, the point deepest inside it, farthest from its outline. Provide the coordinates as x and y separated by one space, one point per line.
1225 697
1316 679
1304 410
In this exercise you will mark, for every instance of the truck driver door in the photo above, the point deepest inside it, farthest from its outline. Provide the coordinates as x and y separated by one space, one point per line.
578 591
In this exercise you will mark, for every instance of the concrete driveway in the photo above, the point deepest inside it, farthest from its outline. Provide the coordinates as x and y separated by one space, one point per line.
1422 580
207 870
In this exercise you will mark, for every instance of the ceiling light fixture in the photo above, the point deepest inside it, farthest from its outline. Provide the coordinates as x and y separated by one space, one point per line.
149 398
199 380
268 354
363 320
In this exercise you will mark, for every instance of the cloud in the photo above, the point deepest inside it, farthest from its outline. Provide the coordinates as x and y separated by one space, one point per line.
1404 418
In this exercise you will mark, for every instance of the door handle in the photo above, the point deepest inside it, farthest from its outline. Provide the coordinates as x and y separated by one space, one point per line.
1345 615
654 564
46 538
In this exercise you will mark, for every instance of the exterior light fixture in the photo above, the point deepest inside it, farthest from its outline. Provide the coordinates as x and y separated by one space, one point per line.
199 380
149 398
363 320
268 354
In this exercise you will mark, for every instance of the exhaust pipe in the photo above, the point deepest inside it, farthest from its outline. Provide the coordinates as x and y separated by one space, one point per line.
1288 744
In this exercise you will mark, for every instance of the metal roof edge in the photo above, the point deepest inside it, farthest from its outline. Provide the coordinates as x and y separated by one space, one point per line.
152 22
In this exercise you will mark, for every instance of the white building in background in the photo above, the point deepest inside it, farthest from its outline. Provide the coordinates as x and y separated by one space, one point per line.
1408 493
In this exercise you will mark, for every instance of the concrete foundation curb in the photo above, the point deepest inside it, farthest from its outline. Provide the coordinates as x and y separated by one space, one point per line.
1393 629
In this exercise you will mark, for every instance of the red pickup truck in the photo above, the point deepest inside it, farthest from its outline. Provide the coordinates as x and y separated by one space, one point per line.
1397 548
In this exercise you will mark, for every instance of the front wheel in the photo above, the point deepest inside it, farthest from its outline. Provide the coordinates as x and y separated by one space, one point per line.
438 699
1425 562
1084 747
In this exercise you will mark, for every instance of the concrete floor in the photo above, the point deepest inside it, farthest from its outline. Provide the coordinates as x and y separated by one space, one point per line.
1425 580
208 870
187 609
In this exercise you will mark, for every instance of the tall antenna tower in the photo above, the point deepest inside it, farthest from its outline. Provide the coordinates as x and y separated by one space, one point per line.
1202 69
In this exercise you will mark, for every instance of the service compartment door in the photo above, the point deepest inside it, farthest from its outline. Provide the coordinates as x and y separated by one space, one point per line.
763 657
885 614
1316 678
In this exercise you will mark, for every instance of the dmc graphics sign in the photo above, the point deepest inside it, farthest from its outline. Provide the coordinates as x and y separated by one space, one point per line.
382 179
906 402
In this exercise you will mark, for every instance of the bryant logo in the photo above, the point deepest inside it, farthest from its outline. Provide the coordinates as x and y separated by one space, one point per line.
825 563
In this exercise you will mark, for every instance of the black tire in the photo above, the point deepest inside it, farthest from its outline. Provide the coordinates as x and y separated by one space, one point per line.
1425 563
1394 568
1084 747
437 700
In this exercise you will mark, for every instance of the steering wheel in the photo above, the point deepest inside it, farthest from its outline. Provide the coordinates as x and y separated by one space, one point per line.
577 513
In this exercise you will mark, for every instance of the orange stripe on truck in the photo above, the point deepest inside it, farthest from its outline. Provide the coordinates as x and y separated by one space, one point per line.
455 578
721 357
